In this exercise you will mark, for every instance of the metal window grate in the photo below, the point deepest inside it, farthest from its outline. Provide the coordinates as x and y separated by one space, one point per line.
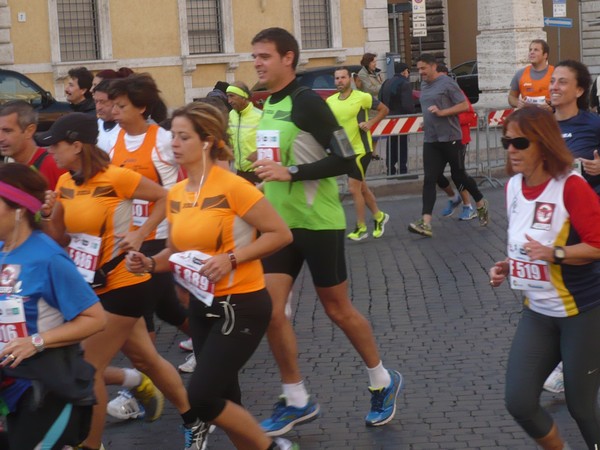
315 20
204 26
78 30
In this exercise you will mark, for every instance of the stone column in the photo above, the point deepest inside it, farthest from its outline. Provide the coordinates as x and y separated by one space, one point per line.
505 30
375 22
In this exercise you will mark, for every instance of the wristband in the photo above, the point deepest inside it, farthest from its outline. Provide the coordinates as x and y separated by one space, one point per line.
152 265
232 260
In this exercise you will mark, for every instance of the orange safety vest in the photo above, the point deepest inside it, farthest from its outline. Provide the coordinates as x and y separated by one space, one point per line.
535 88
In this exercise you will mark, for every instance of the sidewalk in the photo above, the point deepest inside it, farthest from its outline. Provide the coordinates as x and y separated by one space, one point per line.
436 319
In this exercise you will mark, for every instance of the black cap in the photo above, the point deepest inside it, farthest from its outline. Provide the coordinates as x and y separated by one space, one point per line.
71 127
400 67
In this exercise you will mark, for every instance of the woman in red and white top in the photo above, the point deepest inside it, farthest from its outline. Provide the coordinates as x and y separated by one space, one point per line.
554 260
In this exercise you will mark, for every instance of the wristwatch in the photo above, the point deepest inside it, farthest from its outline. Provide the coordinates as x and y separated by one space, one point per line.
38 342
293 170
559 255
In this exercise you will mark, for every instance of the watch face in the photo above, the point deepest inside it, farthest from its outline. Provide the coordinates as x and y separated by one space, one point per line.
559 253
293 169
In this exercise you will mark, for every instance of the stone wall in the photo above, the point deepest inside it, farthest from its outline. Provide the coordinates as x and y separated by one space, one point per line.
7 55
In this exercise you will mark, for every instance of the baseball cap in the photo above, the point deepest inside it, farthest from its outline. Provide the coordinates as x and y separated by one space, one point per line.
400 67
71 127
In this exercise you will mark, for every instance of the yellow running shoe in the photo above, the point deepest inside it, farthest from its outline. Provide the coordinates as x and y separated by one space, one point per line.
150 397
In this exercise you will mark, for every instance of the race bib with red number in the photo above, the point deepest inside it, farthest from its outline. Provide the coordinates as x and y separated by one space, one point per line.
12 320
186 268
84 250
267 145
528 275
141 211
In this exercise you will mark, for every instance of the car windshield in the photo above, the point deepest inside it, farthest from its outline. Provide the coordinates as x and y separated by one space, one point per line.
13 88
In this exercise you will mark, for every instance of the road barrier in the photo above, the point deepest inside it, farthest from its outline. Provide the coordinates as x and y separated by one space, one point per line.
488 152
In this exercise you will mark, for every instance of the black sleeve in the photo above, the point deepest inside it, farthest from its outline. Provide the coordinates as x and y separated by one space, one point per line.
310 113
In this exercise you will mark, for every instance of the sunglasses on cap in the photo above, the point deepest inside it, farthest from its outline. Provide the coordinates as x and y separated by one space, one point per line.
520 143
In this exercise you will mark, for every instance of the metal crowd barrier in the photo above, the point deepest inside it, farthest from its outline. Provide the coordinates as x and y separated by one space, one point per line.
486 156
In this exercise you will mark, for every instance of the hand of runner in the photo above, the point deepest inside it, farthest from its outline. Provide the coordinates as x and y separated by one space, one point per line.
216 267
592 166
132 240
498 273
135 262
49 202
269 170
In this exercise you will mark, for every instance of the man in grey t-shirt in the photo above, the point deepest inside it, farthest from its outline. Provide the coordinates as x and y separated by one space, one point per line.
441 102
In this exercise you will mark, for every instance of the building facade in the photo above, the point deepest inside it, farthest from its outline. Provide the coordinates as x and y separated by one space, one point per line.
187 45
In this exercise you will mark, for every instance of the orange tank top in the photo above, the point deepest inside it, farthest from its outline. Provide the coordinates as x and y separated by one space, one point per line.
140 161
535 91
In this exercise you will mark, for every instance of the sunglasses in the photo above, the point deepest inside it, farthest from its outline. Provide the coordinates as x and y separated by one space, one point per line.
520 143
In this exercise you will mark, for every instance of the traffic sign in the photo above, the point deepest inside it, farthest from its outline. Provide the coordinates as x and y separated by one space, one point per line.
419 17
418 6
559 10
558 22
422 32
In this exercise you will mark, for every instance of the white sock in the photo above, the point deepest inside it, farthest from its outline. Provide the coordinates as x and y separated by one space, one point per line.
468 204
133 378
295 394
379 377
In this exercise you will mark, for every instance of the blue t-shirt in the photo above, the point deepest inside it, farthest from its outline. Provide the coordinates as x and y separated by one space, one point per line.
582 135
52 290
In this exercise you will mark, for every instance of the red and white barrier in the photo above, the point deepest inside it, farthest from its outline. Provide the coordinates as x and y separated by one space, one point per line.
398 125
497 118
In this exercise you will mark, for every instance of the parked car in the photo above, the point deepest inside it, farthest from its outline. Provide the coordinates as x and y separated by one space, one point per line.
16 86
467 78
320 80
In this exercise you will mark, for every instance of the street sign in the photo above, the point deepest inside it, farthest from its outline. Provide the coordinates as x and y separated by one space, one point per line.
558 22
420 32
559 10
419 25
419 17
418 6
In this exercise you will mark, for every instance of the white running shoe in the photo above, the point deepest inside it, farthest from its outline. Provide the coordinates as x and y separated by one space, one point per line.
284 444
189 365
125 406
187 345
555 382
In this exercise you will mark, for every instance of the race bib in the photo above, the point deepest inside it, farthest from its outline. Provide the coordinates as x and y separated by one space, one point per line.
536 100
267 145
186 269
140 212
12 320
84 250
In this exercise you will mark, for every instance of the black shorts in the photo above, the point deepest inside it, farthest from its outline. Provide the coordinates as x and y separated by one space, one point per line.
359 171
322 250
127 301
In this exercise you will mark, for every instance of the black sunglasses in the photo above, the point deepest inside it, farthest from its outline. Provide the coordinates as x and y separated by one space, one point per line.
520 143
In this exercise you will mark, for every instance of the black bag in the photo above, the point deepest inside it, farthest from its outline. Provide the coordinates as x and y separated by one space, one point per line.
102 273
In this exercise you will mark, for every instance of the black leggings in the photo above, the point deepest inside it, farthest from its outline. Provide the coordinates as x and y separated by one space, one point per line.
435 157
225 335
54 423
540 343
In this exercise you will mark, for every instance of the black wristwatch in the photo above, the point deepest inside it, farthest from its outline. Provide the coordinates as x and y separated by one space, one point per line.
293 170
559 255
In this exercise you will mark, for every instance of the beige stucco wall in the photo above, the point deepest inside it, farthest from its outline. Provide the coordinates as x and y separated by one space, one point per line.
152 34
30 38
155 36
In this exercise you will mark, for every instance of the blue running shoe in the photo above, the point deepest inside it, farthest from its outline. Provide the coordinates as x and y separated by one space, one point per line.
452 205
383 401
285 417
467 213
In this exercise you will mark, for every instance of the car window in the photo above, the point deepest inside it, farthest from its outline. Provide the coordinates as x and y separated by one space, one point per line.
13 88
464 69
